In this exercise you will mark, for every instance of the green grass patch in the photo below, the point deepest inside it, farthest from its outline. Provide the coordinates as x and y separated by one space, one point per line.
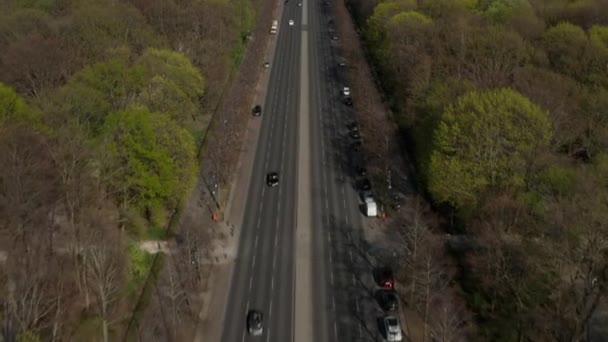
140 264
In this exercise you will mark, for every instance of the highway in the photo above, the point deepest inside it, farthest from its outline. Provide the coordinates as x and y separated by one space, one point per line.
263 272
344 306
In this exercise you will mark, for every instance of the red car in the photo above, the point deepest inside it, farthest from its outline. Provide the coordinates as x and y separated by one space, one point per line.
386 278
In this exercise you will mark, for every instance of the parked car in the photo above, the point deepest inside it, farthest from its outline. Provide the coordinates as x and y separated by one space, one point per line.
346 91
361 171
348 101
392 328
388 300
257 110
355 135
353 127
365 185
385 277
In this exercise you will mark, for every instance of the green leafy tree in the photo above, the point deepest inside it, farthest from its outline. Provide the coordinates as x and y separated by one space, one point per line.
571 52
599 33
172 79
565 44
501 11
164 96
152 159
13 107
77 102
119 83
485 141
376 33
96 26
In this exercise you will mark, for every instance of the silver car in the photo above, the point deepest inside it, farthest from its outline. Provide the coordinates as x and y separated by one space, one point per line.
392 329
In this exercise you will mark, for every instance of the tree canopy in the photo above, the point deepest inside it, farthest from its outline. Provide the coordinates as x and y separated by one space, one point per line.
151 157
485 140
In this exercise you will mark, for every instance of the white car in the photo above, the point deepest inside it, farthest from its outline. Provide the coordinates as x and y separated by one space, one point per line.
392 329
291 23
299 4
346 91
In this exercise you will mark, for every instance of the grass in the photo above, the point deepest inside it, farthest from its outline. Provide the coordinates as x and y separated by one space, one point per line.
140 264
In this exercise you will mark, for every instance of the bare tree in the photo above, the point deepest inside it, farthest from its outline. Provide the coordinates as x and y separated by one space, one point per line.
172 293
450 319
104 275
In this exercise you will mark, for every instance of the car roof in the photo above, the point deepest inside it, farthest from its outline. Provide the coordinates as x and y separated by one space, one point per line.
391 320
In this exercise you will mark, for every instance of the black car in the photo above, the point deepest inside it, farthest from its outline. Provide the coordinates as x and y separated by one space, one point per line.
348 101
272 179
355 135
395 202
257 110
388 300
365 185
361 171
356 146
353 127
255 323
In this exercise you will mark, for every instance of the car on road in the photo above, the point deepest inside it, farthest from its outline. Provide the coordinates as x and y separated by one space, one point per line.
395 202
255 323
348 101
299 4
356 146
266 65
365 185
388 300
355 135
346 91
272 179
361 171
257 110
385 278
290 22
392 329
353 127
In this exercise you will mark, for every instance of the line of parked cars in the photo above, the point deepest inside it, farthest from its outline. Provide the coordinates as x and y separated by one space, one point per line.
388 300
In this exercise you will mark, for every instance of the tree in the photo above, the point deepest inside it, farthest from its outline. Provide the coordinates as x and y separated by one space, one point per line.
104 278
117 82
14 109
159 158
572 53
599 33
77 104
174 87
163 96
36 63
560 96
176 68
492 55
484 140
97 26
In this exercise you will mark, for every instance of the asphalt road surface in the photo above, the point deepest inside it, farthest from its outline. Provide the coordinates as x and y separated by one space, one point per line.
342 304
263 274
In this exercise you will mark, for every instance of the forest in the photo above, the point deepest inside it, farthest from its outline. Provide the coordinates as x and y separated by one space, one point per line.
103 107
503 105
